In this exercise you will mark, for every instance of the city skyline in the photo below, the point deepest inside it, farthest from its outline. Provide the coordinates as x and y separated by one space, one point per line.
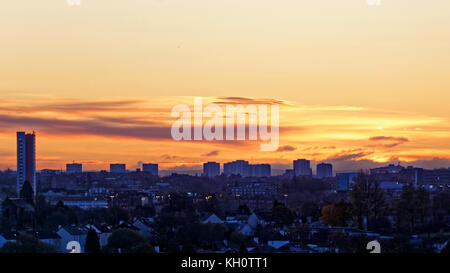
343 164
26 166
357 85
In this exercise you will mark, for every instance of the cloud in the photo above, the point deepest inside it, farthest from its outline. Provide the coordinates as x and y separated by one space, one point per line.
70 105
351 156
286 148
212 153
169 157
395 141
86 127
399 139
244 100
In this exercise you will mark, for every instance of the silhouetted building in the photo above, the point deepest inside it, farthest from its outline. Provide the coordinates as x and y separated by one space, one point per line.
211 169
289 173
150 168
439 177
345 181
26 159
117 168
238 167
324 170
260 170
74 168
302 167
391 169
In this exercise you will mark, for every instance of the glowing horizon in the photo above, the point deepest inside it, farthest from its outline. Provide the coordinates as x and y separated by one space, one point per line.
355 83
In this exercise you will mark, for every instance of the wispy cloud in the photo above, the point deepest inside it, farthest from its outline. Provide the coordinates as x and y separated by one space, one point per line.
392 141
286 148
212 153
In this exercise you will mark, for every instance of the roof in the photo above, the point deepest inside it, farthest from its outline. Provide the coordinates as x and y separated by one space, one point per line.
144 221
277 244
74 230
19 203
47 235
127 226
211 218
262 249
100 228
10 235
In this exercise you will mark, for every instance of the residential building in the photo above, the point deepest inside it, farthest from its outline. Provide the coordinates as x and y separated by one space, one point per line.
260 170
345 181
150 168
26 160
117 168
74 168
238 167
302 167
211 169
324 170
211 218
72 233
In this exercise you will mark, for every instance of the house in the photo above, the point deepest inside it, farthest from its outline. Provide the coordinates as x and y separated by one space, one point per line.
277 244
144 226
126 225
50 238
103 233
253 221
72 233
211 218
245 229
262 249
8 237
318 249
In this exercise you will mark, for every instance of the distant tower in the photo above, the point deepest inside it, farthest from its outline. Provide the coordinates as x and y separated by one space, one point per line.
211 169
302 167
74 168
324 170
117 168
26 160
150 168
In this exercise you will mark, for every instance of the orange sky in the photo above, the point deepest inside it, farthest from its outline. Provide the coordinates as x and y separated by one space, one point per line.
97 81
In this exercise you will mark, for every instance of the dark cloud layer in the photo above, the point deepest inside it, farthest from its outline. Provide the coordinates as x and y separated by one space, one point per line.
212 153
86 127
286 148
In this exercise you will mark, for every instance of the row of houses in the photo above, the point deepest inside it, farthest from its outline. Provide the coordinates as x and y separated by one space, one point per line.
61 238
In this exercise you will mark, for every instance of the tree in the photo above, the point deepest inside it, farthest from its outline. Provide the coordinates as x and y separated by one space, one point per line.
172 247
282 215
243 249
27 244
188 248
128 241
244 209
336 214
423 204
237 237
92 242
310 209
26 192
367 199
441 207
209 233
414 203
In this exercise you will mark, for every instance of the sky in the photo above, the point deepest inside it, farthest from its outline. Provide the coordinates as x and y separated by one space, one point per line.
357 85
